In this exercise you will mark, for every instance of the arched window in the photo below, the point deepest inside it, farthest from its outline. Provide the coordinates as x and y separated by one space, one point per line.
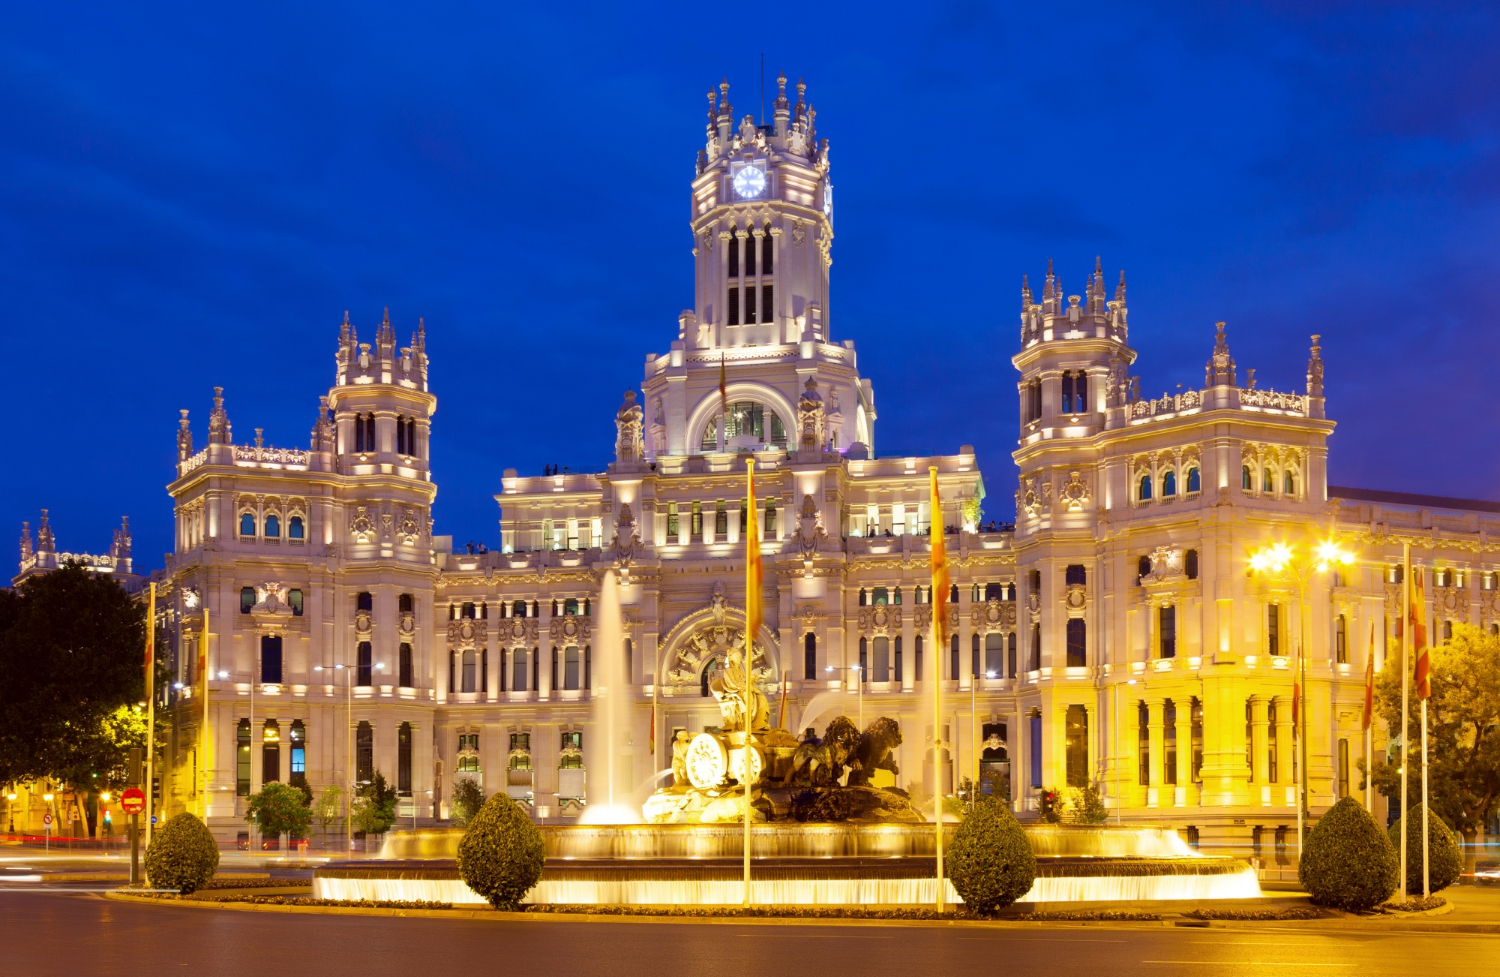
1194 480
571 665
404 670
1246 481
709 671
294 528
299 753
953 594
1144 489
734 255
364 753
403 759
270 752
242 758
1190 564
273 527
1078 655
994 654
247 524
810 657
519 670
247 599
863 597
270 658
1169 485
1268 482
1289 483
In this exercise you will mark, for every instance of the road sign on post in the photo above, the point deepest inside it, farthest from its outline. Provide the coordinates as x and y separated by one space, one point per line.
133 800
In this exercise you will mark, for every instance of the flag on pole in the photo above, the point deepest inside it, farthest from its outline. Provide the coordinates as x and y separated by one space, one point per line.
1418 614
1369 713
940 584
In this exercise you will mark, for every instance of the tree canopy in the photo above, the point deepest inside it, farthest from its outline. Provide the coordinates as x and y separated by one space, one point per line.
72 647
1463 730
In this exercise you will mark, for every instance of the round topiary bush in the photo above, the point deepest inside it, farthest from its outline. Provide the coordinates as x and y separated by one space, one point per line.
182 855
501 854
1348 862
1445 860
991 863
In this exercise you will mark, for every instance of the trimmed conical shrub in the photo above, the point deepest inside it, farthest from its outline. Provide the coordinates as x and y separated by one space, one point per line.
1445 859
182 855
991 863
1348 862
501 854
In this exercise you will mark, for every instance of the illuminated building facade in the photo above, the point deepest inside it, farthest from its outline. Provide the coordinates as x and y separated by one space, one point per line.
1113 635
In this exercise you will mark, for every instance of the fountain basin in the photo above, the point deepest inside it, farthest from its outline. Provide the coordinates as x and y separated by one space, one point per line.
794 865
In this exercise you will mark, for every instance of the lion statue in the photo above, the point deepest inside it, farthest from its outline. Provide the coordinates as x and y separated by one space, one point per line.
820 763
876 744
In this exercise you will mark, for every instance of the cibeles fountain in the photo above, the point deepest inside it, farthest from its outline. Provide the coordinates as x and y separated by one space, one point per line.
828 825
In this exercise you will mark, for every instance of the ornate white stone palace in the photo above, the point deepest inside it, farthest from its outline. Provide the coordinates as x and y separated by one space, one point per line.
1113 634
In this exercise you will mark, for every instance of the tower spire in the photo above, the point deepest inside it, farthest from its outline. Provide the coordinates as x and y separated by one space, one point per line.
1220 370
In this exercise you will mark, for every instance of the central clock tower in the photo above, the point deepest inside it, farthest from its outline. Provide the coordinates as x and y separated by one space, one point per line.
762 217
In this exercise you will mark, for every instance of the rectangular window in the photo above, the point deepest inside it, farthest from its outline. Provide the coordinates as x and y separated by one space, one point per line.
769 529
1168 632
405 667
242 759
953 666
750 302
750 250
766 308
366 664
809 657
1343 769
1143 745
570 668
403 759
470 669
364 753
721 520
880 668
1197 735
897 669
733 254
1273 629
247 599
294 598
696 528
1341 640
270 658
518 670
1078 654
672 522
1076 746
1272 771
916 659
270 753
767 249
1169 738
733 318
1036 750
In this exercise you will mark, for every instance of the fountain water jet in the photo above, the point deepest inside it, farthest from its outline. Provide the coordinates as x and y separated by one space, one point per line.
610 801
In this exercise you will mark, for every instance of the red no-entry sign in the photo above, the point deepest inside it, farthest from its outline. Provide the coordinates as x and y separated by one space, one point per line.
133 800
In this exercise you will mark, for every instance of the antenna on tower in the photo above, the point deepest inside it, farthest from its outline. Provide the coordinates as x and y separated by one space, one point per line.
762 88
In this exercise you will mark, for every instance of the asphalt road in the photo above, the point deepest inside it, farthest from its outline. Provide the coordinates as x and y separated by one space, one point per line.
48 933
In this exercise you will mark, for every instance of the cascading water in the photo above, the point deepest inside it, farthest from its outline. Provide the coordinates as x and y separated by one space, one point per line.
610 799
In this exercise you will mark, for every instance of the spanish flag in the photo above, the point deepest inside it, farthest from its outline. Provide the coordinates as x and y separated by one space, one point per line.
1418 616
1369 714
752 583
940 585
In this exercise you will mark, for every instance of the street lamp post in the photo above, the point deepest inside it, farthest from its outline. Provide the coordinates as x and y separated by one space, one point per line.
349 747
1299 566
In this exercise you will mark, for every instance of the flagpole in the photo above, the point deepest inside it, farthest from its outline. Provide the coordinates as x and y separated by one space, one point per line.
752 626
150 709
1424 692
1367 720
939 561
1426 881
203 737
1405 691
1298 708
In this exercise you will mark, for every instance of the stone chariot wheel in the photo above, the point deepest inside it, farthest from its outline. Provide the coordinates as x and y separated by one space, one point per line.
737 764
707 762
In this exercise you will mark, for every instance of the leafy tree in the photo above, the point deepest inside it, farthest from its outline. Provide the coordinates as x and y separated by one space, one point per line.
501 854
1348 862
374 809
280 809
1086 804
182 854
72 645
991 863
1463 730
468 798
1445 862
328 809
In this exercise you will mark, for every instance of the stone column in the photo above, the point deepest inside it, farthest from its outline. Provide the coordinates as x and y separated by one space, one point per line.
1260 768
1184 750
1154 718
1284 754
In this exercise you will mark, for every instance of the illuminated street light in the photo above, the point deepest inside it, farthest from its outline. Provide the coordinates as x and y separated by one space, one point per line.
1289 563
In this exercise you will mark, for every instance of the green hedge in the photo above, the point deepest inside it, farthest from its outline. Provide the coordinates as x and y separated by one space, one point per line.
1445 860
182 855
991 863
501 854
1348 863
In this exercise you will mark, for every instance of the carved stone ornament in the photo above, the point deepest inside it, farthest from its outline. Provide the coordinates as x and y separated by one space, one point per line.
810 417
408 623
799 233
522 629
713 641
271 600
1489 606
362 527
571 628
629 428
626 537
1393 600
409 530
1076 598
362 622
1075 493
921 618
1451 603
994 615
1166 566
880 619
467 633
810 532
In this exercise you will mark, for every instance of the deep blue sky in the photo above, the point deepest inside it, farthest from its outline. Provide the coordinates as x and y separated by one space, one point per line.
192 195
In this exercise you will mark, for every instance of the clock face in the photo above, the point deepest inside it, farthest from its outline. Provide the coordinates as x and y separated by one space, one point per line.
750 182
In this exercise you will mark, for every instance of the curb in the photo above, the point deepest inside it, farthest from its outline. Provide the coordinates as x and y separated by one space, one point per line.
490 915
